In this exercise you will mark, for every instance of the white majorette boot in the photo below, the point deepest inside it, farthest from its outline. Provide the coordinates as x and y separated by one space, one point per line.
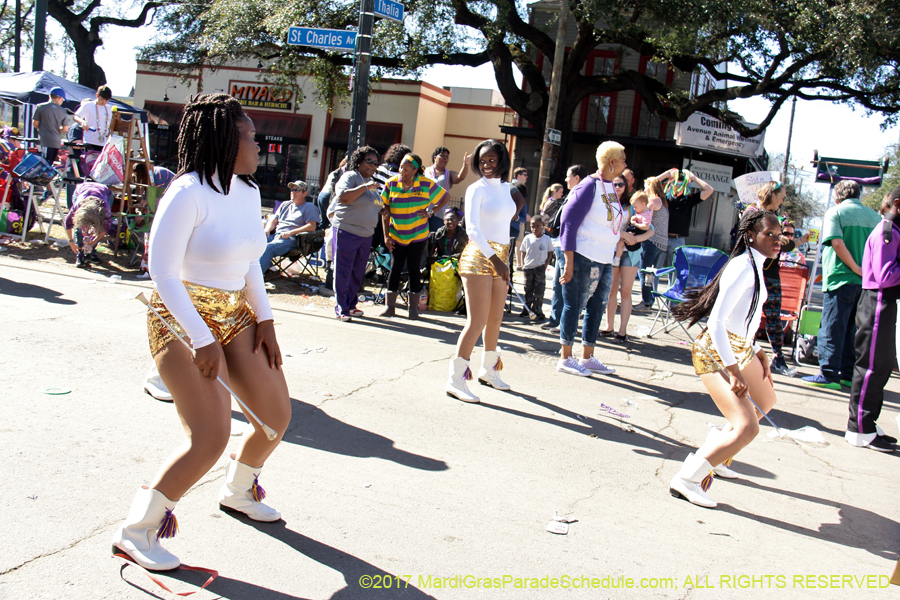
489 373
456 387
243 493
149 520
692 481
721 469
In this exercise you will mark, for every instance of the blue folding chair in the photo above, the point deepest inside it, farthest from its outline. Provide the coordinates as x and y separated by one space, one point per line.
693 268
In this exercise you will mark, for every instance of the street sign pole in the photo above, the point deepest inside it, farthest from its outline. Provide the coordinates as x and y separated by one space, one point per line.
361 62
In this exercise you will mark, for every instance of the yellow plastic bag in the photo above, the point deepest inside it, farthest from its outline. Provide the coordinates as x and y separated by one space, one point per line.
445 286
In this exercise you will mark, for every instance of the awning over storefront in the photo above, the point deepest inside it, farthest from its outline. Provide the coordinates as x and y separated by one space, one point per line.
378 135
280 127
162 113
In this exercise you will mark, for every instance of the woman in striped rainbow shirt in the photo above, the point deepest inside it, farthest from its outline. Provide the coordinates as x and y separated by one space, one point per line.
409 201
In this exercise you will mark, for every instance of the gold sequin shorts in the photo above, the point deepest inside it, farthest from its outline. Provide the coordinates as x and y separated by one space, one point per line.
473 261
741 346
225 312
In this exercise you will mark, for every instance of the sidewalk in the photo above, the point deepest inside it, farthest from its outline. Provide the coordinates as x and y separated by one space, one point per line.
382 476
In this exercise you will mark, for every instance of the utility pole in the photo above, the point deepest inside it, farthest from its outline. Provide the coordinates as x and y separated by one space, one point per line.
40 28
361 62
787 151
549 149
17 64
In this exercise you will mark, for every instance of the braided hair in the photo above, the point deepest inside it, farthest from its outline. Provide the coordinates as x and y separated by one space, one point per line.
699 303
208 139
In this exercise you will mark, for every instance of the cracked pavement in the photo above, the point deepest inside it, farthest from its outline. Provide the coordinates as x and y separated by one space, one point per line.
389 477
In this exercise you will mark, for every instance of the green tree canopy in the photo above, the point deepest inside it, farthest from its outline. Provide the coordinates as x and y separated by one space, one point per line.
842 51
889 182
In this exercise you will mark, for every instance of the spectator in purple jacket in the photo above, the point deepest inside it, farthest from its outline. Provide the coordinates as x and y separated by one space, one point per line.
88 222
876 331
592 220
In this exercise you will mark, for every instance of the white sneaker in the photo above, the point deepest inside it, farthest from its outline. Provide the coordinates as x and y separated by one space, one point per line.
570 366
595 366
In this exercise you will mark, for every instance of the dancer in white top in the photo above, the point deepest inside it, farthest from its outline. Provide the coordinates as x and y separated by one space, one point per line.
490 205
734 303
204 258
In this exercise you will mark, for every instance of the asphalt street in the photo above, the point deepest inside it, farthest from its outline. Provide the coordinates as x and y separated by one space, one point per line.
390 489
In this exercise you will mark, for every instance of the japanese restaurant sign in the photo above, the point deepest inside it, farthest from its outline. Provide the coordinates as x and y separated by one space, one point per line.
260 95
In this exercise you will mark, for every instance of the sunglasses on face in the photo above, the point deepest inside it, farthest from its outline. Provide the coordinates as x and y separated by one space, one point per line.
372 161
788 234
619 185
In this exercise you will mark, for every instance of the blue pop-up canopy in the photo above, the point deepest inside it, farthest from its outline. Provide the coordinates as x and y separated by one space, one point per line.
34 88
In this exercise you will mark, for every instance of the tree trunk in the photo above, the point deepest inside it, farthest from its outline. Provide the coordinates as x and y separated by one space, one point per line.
89 72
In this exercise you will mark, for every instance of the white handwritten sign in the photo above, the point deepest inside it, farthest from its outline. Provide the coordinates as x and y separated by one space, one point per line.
747 185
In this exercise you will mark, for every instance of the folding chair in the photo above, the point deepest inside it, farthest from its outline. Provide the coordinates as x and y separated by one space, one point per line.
305 255
793 290
809 321
693 268
138 232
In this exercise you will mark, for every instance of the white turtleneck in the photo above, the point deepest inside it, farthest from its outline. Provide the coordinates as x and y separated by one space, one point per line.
730 310
489 211
211 239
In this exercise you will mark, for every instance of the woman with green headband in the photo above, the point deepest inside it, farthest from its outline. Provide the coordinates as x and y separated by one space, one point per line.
409 201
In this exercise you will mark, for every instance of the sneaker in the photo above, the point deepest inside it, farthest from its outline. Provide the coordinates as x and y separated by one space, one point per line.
355 312
538 318
778 366
344 318
80 261
570 366
548 325
524 314
846 383
324 291
554 329
818 380
880 444
270 286
92 257
616 261
595 366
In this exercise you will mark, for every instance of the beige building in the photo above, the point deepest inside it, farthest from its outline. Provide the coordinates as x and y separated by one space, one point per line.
301 140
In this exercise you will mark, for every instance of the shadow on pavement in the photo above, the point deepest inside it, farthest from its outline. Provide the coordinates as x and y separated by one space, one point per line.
858 528
353 569
27 290
314 428
224 587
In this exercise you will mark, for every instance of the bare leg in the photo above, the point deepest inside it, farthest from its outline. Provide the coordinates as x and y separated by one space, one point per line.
611 303
205 410
628 275
740 412
478 290
491 332
264 390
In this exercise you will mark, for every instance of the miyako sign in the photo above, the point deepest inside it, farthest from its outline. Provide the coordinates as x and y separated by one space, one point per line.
718 176
704 132
260 95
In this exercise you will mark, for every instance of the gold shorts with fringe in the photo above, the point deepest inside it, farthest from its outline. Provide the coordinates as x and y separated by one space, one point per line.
227 313
472 261
703 364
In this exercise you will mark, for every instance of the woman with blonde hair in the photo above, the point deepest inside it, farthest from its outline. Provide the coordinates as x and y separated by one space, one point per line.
653 251
592 220
554 192
88 222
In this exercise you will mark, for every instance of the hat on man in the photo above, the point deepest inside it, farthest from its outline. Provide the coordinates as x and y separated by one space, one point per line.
58 91
298 185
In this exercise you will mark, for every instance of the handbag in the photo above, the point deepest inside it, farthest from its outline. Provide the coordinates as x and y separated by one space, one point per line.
110 166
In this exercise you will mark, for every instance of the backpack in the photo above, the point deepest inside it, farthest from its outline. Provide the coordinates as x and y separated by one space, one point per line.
554 224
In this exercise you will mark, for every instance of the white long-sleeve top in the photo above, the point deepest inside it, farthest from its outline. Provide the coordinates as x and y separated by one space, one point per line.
211 239
489 210
732 305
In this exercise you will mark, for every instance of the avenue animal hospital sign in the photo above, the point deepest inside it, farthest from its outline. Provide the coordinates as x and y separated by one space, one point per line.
704 132
256 95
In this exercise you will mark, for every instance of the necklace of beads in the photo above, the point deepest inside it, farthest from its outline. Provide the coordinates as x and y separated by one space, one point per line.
608 199
103 134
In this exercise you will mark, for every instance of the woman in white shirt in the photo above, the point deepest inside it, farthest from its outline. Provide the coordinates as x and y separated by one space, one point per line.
490 205
204 259
592 222
734 303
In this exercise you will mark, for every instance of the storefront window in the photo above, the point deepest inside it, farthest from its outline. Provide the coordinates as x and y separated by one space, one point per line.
279 164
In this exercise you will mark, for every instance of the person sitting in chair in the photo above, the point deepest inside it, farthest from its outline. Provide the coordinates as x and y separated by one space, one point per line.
448 240
289 224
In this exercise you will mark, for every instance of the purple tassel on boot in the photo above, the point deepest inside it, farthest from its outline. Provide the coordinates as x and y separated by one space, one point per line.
499 365
468 374
707 482
256 490
168 527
